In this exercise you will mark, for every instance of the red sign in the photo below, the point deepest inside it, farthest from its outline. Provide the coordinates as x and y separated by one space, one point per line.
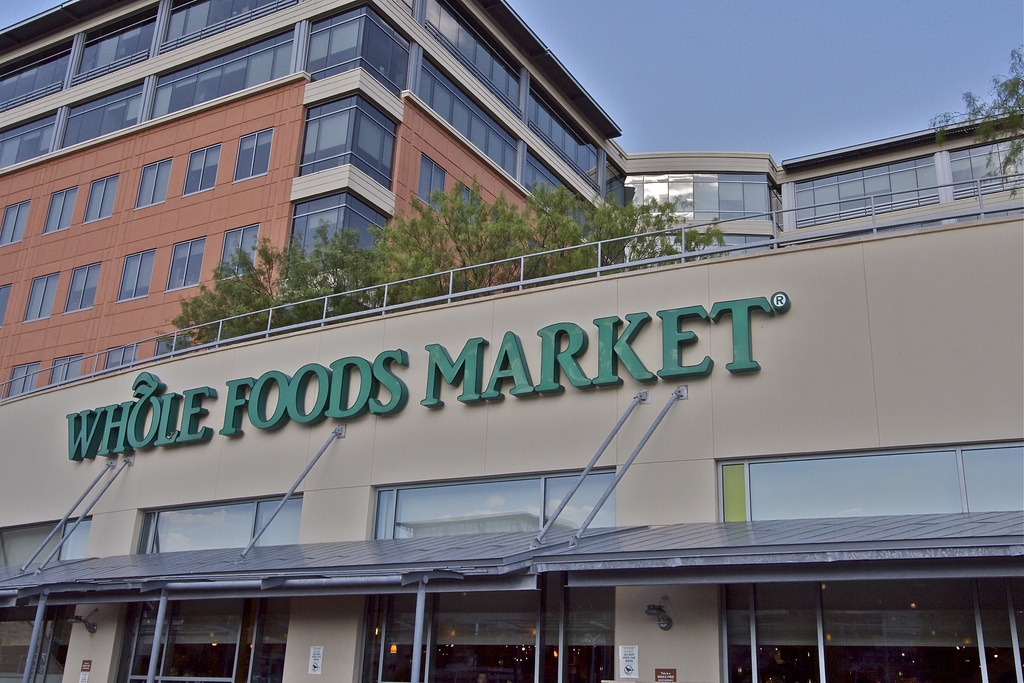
86 665
664 676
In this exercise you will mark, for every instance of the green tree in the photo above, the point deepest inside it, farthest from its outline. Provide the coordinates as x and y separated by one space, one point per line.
1000 118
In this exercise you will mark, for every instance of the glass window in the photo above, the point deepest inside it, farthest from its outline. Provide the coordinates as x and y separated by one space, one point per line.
120 356
231 525
239 243
491 506
34 77
116 46
431 180
224 75
332 213
537 173
23 379
101 199
574 149
358 38
787 632
253 154
83 288
103 115
13 227
62 206
138 271
153 184
26 141
349 131
65 369
192 20
18 543
455 107
186 264
994 478
5 294
983 163
40 298
201 173
476 54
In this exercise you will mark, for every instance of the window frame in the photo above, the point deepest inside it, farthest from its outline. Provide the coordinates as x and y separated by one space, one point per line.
154 170
151 253
91 273
149 540
203 170
189 256
65 369
5 297
62 219
248 232
134 348
21 376
430 169
104 209
252 172
12 229
49 284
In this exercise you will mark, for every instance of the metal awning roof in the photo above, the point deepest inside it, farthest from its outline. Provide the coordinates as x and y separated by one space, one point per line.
973 544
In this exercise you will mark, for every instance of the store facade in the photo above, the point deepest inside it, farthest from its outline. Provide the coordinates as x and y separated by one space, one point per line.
834 497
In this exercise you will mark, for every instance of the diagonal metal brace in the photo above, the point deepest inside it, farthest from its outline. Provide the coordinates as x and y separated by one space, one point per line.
680 394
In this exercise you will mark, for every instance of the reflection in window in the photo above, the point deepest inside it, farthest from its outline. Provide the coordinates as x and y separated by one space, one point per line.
116 46
120 356
253 154
984 163
231 525
787 632
573 148
186 264
455 107
331 214
5 294
224 75
16 633
431 180
349 131
138 271
358 38
41 296
537 173
13 227
490 506
82 292
66 369
62 206
994 478
101 199
239 243
210 640
103 115
192 20
201 173
708 196
17 544
34 77
153 184
23 379
26 141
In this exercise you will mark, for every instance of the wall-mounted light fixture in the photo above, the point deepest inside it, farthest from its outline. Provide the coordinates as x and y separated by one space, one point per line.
658 611
90 626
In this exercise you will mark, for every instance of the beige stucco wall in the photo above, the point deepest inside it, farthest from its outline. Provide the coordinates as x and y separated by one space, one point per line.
892 341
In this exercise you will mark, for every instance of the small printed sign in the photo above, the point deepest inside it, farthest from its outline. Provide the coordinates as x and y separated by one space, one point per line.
664 676
629 661
83 677
86 665
316 660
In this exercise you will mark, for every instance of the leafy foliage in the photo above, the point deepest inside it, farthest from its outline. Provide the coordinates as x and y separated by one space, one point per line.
1000 118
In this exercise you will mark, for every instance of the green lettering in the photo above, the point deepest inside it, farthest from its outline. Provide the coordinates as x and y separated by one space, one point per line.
84 431
386 378
167 435
192 412
673 339
115 429
553 361
610 350
740 311
466 369
234 406
341 381
298 388
258 401
509 365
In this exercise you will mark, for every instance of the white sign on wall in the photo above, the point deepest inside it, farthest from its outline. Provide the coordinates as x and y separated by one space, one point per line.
316 660
629 661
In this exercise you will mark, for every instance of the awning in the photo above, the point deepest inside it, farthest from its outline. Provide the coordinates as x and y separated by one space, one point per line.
924 546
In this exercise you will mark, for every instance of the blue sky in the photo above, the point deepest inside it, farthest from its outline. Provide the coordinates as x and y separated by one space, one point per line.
787 77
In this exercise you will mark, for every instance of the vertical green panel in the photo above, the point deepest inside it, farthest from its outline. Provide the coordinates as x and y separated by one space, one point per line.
734 493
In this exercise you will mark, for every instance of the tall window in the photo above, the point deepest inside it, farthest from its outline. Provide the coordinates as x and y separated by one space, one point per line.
103 115
62 206
253 154
455 107
153 184
83 288
66 369
101 199
490 506
239 243
40 298
23 379
349 131
569 145
26 141
431 180
209 640
192 20
120 356
231 525
224 75
13 227
138 271
331 214
201 173
537 173
186 264
116 46
34 77
5 294
358 38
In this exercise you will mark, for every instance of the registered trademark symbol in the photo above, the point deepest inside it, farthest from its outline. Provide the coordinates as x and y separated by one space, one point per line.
780 302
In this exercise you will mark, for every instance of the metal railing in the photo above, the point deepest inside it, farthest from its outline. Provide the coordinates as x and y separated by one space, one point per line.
592 260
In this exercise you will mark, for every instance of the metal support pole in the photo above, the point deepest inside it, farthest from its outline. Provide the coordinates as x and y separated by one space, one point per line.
679 394
158 634
1014 634
60 525
642 396
124 463
338 433
417 635
33 643
982 655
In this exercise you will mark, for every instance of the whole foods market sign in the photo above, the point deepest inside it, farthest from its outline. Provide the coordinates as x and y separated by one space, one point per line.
353 386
